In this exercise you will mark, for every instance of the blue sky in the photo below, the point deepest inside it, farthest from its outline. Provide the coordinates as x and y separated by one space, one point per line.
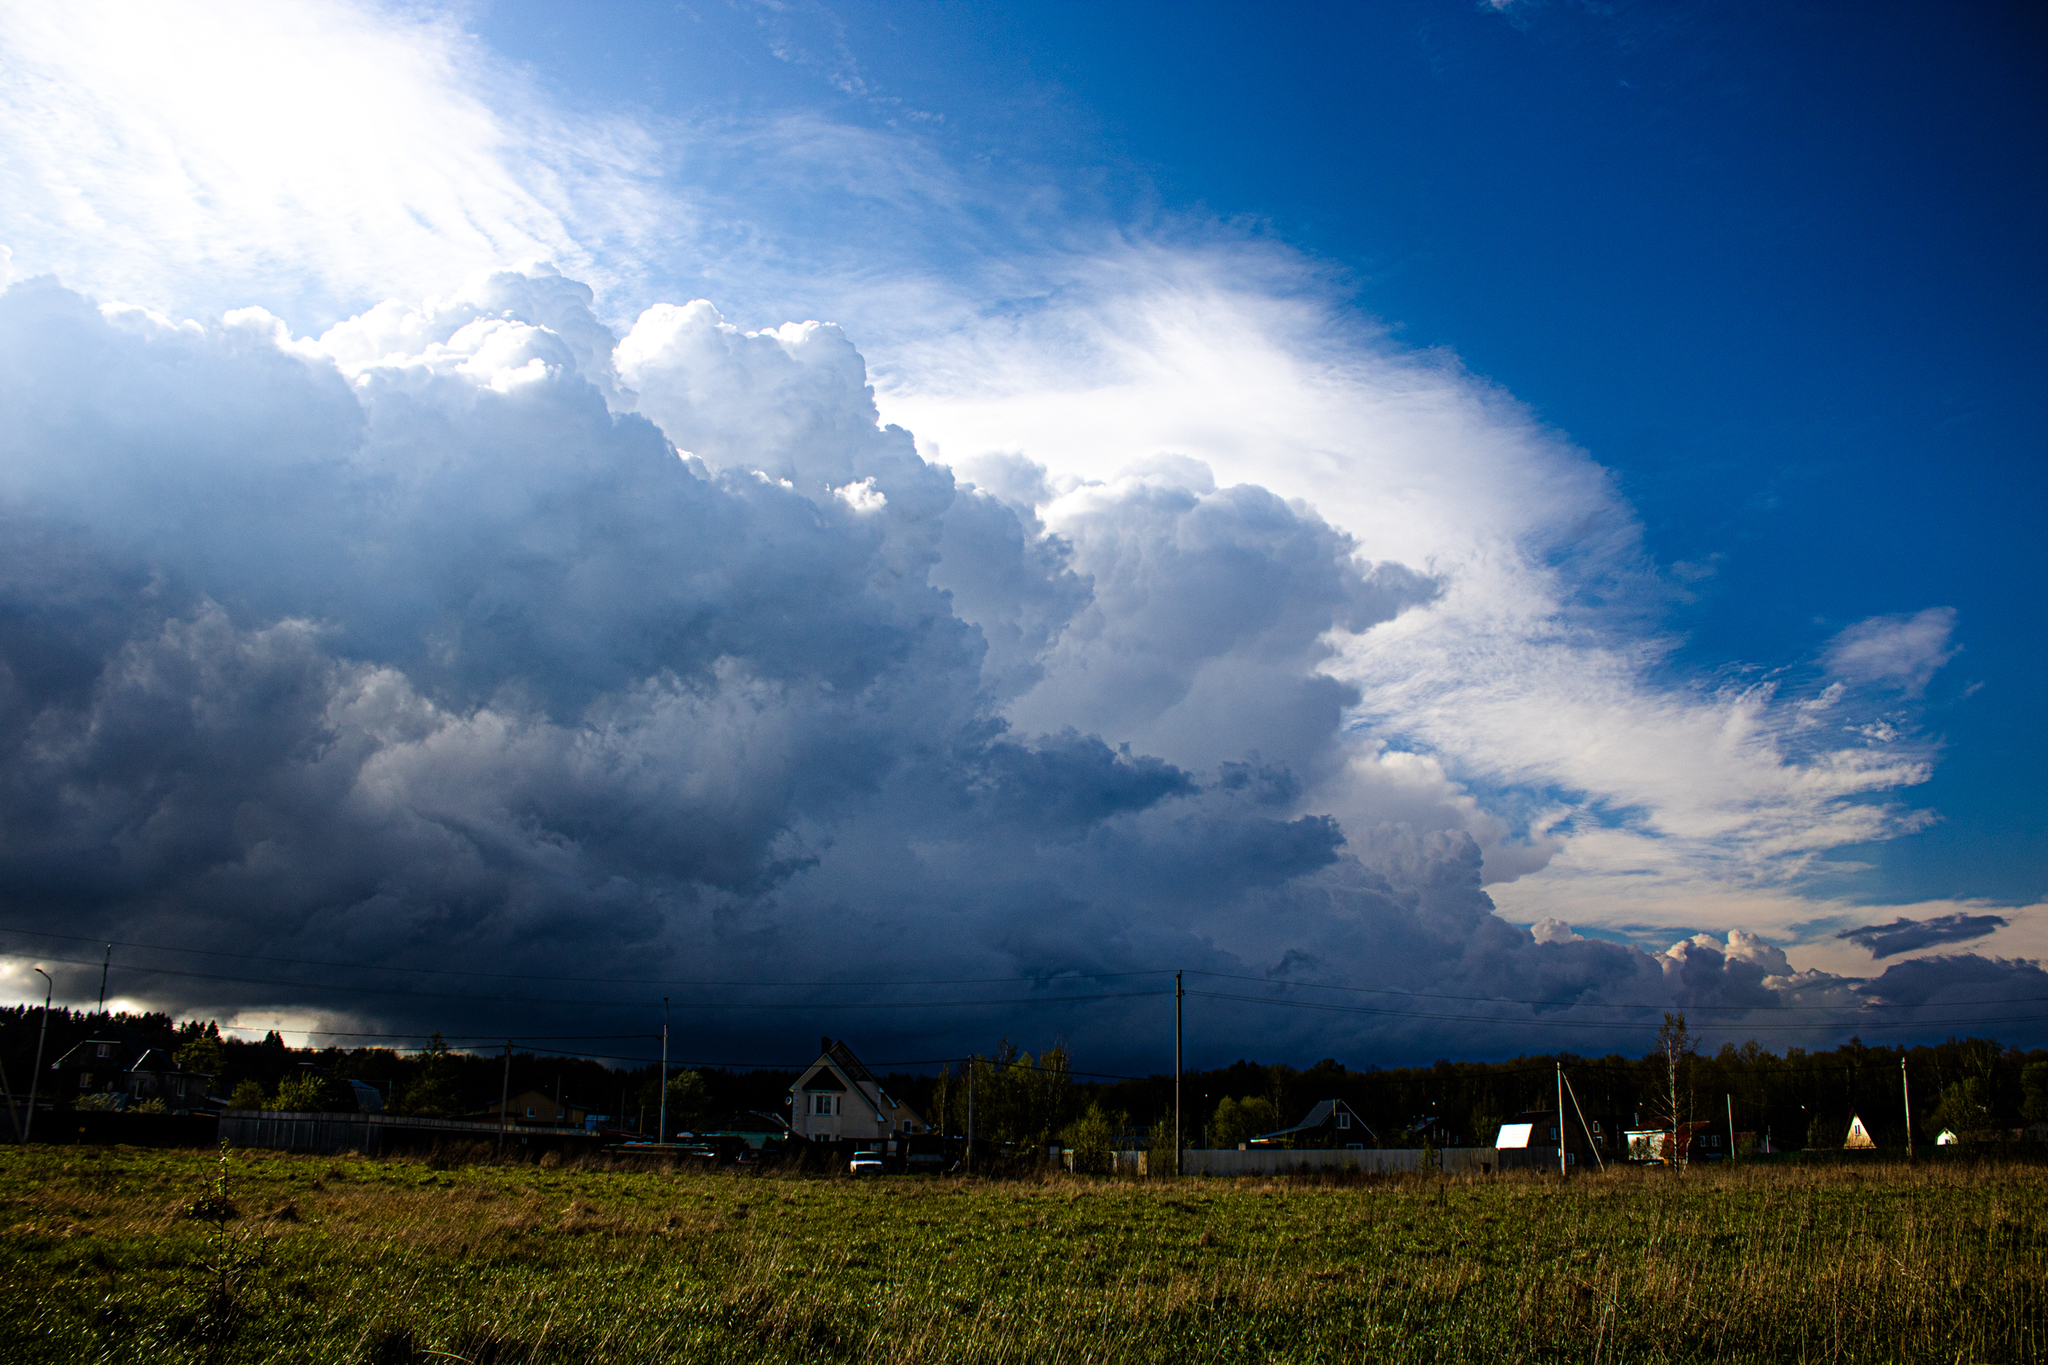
1781 271
1538 500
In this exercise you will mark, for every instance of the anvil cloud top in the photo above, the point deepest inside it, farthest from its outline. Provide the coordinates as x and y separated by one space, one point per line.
1527 514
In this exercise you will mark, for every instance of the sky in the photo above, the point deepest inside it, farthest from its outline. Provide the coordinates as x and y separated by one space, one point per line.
1458 524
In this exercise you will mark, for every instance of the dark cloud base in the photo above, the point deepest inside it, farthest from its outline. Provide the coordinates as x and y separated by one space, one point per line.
445 660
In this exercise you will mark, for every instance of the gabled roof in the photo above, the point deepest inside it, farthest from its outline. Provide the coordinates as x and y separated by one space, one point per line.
1315 1118
123 1048
843 1057
843 1071
838 1069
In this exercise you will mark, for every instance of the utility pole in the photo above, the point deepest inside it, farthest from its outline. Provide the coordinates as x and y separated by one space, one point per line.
1906 1099
662 1136
1583 1125
1731 1126
505 1098
970 1115
12 1117
1177 1144
1560 1120
105 963
34 1076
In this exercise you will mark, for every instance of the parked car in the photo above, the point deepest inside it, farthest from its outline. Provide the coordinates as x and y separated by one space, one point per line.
865 1163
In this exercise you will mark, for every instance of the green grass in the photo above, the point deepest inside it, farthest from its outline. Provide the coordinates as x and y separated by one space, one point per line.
352 1260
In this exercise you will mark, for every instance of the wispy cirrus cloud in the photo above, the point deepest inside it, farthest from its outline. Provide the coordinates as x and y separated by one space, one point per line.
312 157
1902 652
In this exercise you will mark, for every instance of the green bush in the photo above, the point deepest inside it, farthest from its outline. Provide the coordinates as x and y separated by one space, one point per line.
298 1094
1092 1138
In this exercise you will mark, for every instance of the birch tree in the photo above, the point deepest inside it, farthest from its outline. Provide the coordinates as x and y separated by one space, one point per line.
1675 1045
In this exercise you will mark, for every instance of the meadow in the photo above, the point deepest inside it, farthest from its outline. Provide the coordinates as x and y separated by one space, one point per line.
120 1254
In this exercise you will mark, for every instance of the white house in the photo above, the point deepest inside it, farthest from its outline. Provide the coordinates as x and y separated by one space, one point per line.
838 1099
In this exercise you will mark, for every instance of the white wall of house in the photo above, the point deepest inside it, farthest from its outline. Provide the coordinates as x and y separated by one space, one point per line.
856 1111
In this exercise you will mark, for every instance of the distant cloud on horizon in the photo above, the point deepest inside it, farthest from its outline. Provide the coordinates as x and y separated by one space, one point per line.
1904 935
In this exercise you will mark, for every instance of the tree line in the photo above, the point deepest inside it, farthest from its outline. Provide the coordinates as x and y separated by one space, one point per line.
1799 1098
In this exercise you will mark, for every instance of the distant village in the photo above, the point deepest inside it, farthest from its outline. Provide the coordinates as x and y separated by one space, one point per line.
90 1077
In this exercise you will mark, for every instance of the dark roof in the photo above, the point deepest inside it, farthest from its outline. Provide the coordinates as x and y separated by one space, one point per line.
123 1049
843 1056
1323 1112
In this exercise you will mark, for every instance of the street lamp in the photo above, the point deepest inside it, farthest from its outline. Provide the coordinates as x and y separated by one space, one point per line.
28 1129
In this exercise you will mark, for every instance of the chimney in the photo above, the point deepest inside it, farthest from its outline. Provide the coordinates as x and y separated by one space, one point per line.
824 1044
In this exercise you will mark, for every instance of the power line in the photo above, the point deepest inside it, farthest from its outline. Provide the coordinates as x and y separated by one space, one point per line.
492 1038
619 1004
1061 975
1040 1000
496 1038
1596 1004
1591 1023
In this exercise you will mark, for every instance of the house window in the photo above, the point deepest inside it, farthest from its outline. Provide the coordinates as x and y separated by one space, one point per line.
103 1050
529 1111
85 1080
821 1104
906 1125
1343 1120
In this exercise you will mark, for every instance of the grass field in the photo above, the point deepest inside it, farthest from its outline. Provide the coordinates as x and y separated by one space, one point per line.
123 1254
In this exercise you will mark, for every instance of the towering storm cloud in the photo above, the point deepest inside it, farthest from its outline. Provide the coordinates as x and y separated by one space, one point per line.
536 666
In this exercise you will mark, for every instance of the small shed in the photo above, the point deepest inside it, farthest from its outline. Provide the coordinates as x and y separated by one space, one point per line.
1859 1136
539 1108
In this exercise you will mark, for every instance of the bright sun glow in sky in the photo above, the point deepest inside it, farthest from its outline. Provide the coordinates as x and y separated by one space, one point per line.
1603 439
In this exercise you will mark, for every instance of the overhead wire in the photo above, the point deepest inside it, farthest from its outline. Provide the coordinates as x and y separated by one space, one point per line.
1856 1014
1622 1025
1588 1004
584 980
605 1004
